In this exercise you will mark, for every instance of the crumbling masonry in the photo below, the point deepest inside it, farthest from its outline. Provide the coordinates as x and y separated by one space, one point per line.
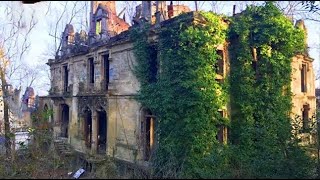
93 85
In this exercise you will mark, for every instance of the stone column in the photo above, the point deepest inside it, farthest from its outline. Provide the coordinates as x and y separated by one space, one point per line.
94 142
56 119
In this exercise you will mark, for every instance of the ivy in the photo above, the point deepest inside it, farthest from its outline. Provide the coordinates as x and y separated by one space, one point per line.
178 84
261 95
185 96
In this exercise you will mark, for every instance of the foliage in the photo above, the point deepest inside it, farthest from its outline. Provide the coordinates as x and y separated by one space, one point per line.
261 95
185 97
178 84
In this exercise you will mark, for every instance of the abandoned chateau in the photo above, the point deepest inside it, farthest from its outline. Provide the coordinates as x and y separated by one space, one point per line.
93 85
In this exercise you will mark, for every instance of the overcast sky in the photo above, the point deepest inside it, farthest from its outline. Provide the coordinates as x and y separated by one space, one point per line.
40 37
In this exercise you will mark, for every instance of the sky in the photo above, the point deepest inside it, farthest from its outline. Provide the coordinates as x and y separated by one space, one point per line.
40 37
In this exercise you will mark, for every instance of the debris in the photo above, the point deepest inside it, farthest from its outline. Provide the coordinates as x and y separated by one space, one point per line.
69 173
78 173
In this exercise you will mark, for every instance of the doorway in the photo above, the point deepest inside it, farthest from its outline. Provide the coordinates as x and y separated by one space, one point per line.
65 120
102 132
88 128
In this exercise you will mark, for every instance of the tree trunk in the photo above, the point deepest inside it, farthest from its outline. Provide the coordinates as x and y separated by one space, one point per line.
196 5
7 132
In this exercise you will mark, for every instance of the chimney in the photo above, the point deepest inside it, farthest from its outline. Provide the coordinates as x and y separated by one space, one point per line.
170 9
147 10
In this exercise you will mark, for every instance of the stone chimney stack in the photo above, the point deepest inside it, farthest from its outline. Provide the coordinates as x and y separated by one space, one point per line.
300 24
147 10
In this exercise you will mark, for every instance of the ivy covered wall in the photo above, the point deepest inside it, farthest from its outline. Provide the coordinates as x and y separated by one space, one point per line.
178 84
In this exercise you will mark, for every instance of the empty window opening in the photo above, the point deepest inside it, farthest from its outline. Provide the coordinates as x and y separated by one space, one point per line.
88 128
254 66
65 81
304 78
102 132
98 27
219 63
91 70
222 134
147 132
305 118
65 120
106 69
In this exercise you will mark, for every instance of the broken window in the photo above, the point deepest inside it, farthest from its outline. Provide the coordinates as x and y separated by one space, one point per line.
219 63
147 133
106 70
304 78
98 27
305 117
91 70
65 82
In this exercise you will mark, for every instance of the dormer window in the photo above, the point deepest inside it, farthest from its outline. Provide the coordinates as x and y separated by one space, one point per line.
98 27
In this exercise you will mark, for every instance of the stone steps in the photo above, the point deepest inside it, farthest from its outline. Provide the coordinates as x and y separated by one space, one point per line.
63 148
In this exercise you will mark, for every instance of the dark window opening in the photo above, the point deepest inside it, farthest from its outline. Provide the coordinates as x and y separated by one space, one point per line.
147 132
219 63
91 70
304 78
65 84
106 69
222 131
254 66
305 118
88 128
102 132
65 121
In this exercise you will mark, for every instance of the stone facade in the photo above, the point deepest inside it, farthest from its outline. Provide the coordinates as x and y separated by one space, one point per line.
93 85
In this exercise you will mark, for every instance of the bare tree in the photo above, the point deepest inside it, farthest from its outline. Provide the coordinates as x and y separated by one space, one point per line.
63 13
130 9
14 44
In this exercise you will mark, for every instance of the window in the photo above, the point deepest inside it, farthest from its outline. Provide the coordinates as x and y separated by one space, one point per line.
65 84
305 118
222 131
304 78
98 27
219 64
91 70
106 70
147 134
254 64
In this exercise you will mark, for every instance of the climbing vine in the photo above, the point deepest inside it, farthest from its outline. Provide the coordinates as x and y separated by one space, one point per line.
262 44
185 95
177 74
